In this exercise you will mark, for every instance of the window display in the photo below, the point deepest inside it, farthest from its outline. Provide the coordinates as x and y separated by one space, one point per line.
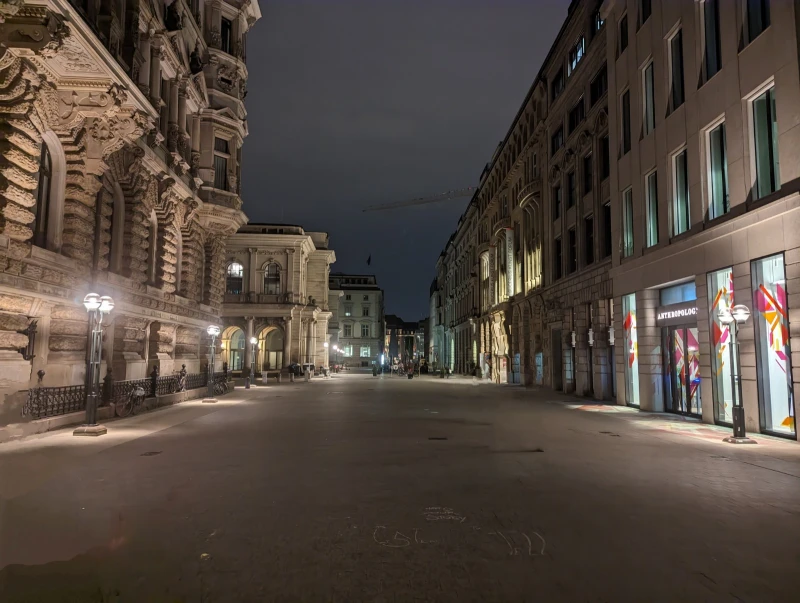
631 350
720 295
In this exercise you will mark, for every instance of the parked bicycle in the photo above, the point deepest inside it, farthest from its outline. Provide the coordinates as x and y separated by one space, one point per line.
131 404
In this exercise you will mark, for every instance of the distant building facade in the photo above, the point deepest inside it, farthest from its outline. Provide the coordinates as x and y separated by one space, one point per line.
404 340
360 318
276 290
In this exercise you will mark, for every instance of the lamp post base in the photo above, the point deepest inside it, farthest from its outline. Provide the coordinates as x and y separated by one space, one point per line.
90 430
735 440
210 400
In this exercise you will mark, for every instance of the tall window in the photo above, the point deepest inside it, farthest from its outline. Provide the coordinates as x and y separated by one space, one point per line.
572 258
757 17
605 158
770 315
680 206
557 140
43 197
365 351
556 202
631 353
599 86
648 97
651 203
627 223
676 69
765 138
272 279
607 241
226 33
348 309
572 192
365 311
221 156
558 84
597 21
645 10
576 115
576 55
717 173
588 239
626 121
365 330
348 330
588 176
720 294
558 265
713 58
234 282
623 33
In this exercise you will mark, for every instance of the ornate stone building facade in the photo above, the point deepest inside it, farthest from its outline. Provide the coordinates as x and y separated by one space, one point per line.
122 125
276 290
522 288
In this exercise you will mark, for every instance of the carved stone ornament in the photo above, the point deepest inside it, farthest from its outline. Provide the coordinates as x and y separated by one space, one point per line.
584 139
173 20
9 8
196 60
72 58
227 78
215 37
601 122
555 173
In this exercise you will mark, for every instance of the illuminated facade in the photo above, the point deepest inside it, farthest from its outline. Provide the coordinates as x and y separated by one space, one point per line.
526 274
704 99
122 131
359 318
276 291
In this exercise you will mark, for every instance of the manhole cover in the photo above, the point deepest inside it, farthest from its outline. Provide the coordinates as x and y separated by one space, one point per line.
151 453
437 438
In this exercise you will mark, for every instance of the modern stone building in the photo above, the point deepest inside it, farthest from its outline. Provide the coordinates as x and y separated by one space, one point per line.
276 290
705 100
360 318
122 126
523 288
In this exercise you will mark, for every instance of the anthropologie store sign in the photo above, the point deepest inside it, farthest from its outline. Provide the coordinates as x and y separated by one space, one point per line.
677 314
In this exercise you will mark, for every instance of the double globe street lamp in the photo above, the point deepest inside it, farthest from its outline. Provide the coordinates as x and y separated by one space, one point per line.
97 306
252 375
735 317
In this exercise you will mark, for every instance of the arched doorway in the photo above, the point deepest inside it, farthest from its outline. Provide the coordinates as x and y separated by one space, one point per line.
270 349
233 342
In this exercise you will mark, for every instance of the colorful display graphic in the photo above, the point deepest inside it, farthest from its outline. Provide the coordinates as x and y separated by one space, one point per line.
632 350
720 290
772 332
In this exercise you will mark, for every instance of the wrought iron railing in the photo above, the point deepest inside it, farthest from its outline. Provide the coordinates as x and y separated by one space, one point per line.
196 380
53 401
123 389
169 384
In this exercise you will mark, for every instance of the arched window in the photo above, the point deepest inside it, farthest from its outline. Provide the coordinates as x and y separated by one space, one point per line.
272 279
234 283
43 197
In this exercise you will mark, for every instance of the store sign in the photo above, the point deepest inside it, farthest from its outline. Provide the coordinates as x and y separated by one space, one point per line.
677 314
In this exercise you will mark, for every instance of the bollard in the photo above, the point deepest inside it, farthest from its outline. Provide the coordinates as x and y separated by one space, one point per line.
291 377
247 382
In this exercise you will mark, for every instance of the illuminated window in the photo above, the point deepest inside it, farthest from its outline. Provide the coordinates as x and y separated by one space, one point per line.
235 278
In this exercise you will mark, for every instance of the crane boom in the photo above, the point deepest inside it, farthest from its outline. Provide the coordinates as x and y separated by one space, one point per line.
458 193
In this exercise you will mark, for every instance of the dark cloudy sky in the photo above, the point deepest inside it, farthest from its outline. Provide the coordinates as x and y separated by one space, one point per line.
354 103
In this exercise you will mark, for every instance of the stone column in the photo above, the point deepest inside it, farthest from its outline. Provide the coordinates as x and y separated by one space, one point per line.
651 383
165 108
313 348
252 281
287 341
248 348
182 107
196 133
173 101
144 69
155 76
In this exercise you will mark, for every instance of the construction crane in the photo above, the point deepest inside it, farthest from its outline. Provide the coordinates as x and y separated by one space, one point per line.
458 193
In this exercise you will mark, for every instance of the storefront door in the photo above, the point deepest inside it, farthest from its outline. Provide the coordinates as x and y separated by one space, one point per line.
682 370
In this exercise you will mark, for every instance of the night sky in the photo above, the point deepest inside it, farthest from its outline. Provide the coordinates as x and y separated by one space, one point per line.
352 104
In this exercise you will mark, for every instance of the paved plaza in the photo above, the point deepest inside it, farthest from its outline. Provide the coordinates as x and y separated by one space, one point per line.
386 489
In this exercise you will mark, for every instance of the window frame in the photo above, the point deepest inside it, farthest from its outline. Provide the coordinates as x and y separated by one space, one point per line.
720 122
767 87
704 12
229 277
226 42
651 209
626 214
588 240
587 169
674 157
268 271
648 108
226 157
675 103
626 138
558 199
576 54
596 96
624 40
558 259
765 6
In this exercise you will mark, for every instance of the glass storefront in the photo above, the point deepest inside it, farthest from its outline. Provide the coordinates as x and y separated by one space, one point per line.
683 370
720 294
771 321
631 350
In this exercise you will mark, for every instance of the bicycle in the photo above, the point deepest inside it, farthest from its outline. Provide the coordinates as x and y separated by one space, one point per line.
133 403
220 387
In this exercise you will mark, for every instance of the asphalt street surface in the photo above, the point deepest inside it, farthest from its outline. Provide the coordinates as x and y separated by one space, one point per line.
386 489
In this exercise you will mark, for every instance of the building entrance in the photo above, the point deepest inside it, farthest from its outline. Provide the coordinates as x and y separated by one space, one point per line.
682 393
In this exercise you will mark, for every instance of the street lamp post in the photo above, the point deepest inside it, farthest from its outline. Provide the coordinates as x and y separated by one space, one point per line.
97 307
735 317
253 344
213 332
